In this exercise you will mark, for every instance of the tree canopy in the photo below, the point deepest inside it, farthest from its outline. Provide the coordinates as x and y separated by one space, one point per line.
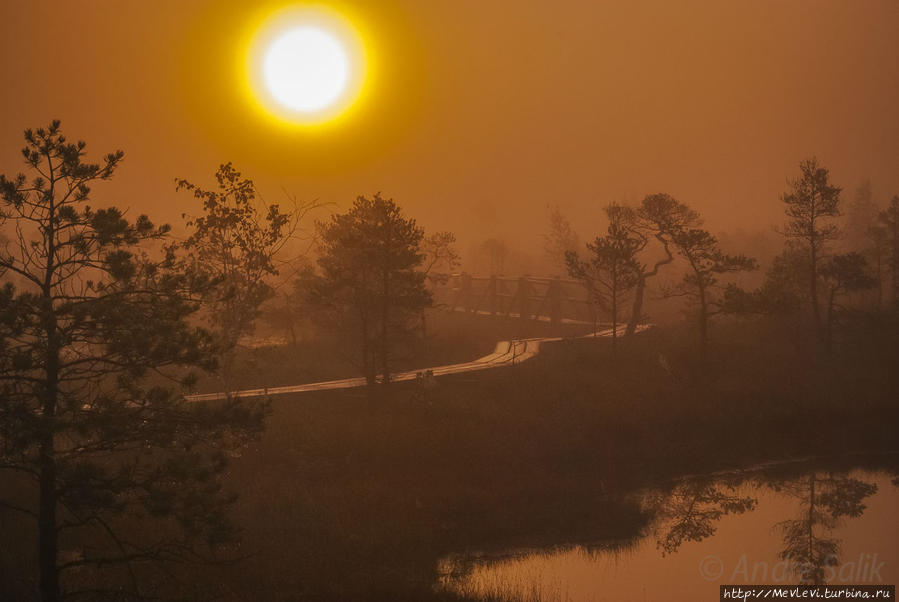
371 278
96 344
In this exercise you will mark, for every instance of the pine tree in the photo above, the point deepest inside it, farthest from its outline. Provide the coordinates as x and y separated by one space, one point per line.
611 270
89 323
371 279
811 206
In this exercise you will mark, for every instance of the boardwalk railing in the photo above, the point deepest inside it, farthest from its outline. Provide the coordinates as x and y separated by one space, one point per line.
550 300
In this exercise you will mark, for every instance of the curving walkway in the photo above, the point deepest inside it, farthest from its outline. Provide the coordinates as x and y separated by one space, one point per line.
506 353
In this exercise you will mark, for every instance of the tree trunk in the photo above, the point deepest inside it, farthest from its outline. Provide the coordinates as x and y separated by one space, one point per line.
637 309
48 545
385 322
894 261
614 315
368 365
813 291
48 535
229 338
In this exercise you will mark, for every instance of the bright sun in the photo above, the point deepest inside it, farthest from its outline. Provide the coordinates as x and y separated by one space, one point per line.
306 65
306 69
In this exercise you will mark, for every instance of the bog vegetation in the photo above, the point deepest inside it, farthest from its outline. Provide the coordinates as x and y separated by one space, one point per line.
114 486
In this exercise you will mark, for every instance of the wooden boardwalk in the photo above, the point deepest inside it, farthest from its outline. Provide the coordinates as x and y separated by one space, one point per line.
506 353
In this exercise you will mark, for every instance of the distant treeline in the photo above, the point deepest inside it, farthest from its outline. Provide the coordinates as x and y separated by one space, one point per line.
822 273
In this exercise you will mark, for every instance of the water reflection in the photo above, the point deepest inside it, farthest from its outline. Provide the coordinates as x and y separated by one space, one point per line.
790 524
824 500
691 509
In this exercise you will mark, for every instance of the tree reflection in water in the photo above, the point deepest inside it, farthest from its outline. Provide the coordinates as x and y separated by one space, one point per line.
691 509
816 499
824 501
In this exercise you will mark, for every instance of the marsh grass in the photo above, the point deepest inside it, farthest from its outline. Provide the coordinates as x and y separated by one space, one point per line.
358 496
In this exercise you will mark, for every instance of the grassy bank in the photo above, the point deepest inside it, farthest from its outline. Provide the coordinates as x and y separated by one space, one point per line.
356 496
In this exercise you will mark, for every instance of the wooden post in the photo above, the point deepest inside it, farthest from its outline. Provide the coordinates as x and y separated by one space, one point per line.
465 292
505 305
524 293
458 290
491 295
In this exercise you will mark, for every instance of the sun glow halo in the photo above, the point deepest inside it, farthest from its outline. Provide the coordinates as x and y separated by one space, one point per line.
306 65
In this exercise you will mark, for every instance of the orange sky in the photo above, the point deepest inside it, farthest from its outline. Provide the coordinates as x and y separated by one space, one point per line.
484 112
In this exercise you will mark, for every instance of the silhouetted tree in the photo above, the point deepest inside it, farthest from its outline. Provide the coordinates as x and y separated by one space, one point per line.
440 259
289 309
95 317
866 235
889 218
612 267
559 239
879 251
706 263
811 206
370 262
440 256
781 293
658 217
842 274
235 242
860 216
